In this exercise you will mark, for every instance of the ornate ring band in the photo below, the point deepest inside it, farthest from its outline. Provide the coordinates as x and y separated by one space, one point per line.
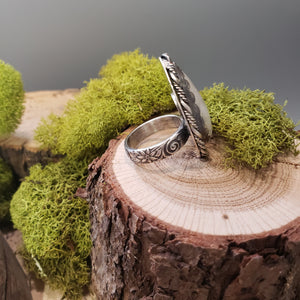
138 144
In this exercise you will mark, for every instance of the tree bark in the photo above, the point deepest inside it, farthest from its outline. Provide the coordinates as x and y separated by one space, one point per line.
186 229
13 281
20 149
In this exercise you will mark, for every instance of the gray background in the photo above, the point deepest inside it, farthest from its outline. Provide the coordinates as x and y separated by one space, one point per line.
60 44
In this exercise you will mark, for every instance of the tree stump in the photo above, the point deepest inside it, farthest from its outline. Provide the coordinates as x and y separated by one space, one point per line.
20 149
13 281
181 228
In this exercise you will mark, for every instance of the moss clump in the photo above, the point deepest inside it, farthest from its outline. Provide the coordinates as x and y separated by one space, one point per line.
11 98
131 89
7 188
255 128
55 224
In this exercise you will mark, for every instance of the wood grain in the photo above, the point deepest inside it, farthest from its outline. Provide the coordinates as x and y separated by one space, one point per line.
205 197
188 229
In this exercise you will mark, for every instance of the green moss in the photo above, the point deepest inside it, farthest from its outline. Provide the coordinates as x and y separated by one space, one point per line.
140 84
132 88
11 98
7 188
255 128
55 224
84 130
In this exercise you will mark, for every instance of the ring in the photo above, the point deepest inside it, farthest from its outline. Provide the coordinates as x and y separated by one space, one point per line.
190 104
138 144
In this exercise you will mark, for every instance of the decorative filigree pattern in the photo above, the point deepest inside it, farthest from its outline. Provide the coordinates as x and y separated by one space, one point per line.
160 151
185 102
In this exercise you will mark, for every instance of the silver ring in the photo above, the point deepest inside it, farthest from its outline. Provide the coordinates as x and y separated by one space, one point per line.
136 142
189 103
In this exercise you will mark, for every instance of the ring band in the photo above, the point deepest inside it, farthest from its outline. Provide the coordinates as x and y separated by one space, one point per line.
137 138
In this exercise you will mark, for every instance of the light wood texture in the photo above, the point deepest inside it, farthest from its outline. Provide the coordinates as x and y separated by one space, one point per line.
20 149
204 197
185 229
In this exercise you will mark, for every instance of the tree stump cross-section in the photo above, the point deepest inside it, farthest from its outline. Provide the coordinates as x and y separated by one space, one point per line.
181 228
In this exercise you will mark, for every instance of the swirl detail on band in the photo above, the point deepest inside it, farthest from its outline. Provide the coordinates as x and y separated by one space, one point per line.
152 154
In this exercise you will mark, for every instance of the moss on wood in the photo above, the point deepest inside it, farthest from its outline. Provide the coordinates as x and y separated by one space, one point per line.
254 127
131 89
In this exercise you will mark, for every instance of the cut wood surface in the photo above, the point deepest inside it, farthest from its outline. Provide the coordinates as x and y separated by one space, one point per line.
182 228
20 149
205 197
